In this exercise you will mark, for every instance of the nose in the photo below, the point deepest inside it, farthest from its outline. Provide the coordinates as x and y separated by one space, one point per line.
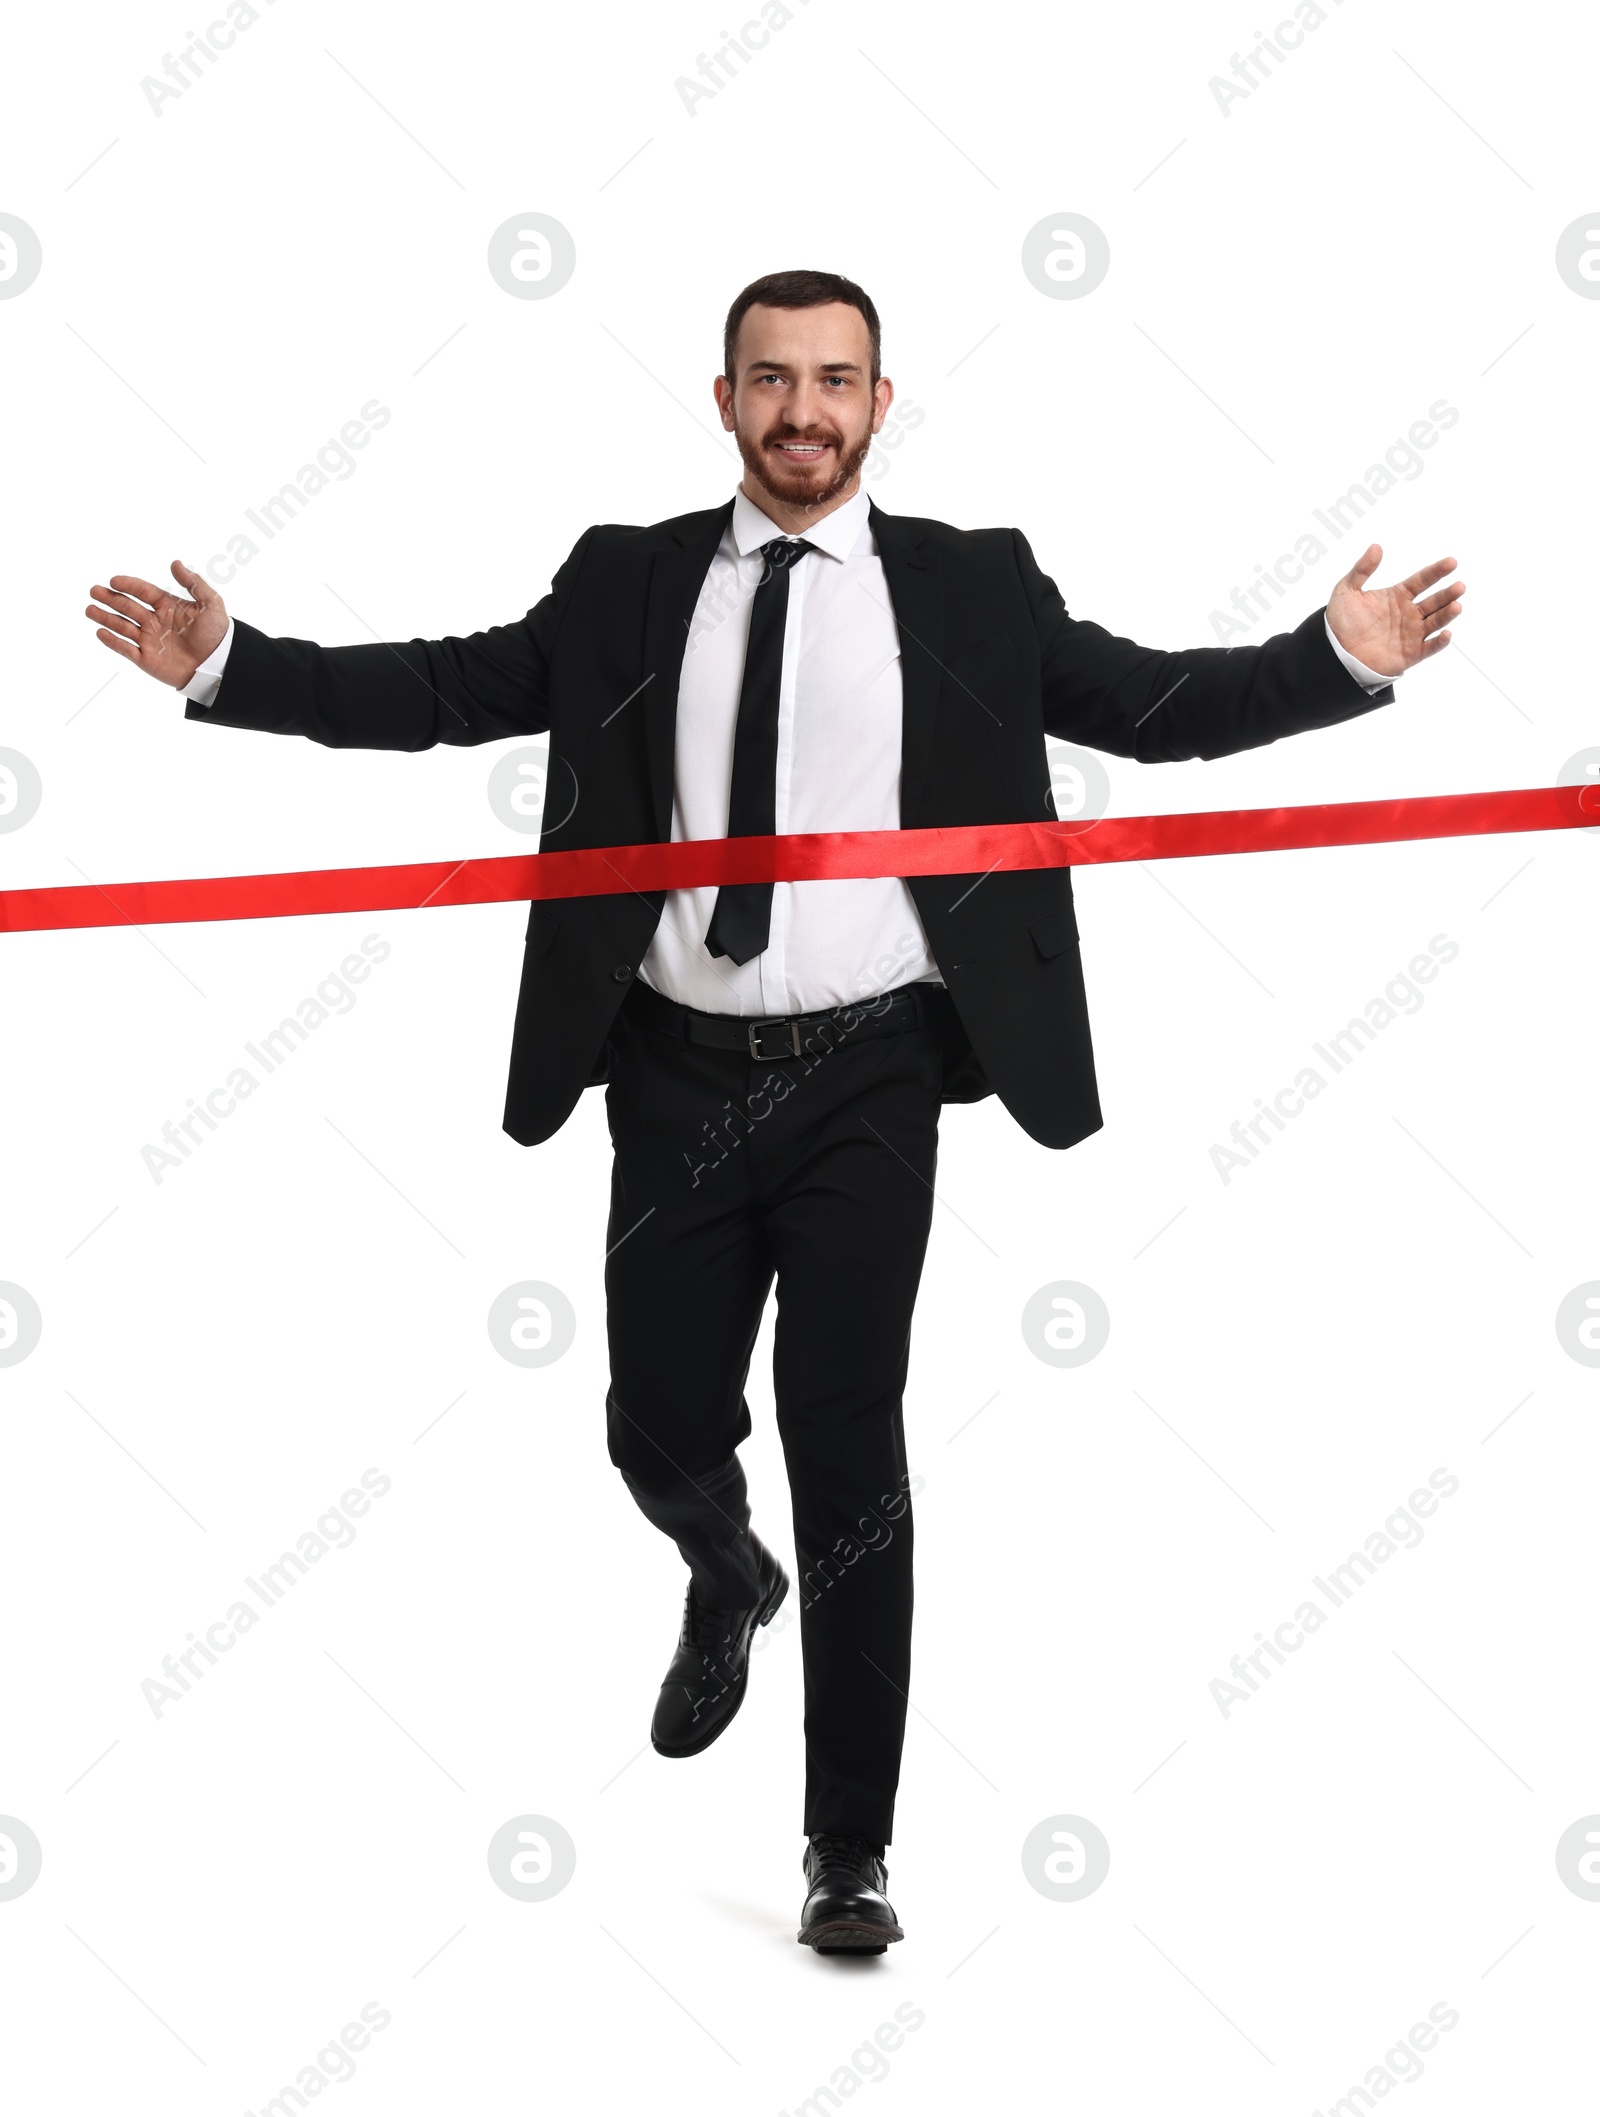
807 407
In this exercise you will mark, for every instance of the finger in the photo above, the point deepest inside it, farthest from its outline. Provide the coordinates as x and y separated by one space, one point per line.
140 613
1427 575
1440 597
117 646
120 625
130 584
1366 566
196 583
1431 647
1443 617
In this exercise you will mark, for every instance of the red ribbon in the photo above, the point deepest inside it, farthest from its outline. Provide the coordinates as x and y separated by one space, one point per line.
818 857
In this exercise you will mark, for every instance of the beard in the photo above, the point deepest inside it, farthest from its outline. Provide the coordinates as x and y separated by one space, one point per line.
802 484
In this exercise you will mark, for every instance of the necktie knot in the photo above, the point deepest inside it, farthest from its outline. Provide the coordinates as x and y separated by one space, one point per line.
784 551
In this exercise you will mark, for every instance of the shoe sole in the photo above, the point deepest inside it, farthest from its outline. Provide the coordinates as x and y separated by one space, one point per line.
849 1937
768 1611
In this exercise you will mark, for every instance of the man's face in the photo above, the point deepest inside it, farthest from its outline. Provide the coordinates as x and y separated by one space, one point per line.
801 402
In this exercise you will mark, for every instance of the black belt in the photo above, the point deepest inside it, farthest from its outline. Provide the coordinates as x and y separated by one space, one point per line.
785 1035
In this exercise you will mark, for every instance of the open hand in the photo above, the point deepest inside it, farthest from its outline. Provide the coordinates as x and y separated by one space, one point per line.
167 636
1390 629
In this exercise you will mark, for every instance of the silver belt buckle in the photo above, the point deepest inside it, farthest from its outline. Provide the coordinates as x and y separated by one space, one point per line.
753 1037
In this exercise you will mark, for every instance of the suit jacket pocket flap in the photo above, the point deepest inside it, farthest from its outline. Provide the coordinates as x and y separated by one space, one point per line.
1053 929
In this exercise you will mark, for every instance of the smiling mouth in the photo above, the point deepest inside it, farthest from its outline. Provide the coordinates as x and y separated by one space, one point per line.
801 451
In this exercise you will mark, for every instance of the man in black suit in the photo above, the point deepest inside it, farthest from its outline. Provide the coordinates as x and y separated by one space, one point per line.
776 1055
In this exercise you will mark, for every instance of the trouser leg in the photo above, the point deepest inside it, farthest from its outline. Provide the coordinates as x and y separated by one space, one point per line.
687 1275
847 1219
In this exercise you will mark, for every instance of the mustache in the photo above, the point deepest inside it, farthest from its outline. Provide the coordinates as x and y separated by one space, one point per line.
830 435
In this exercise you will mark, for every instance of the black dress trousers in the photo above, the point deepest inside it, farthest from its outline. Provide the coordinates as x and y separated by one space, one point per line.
816 1171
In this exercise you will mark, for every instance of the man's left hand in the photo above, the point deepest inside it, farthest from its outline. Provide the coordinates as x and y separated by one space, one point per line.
1391 629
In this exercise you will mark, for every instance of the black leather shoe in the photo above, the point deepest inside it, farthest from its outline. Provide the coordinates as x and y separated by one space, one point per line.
705 1685
846 1909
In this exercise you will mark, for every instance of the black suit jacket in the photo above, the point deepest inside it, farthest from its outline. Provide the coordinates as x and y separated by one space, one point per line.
991 663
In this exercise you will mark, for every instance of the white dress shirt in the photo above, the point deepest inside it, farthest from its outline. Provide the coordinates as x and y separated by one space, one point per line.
838 770
839 705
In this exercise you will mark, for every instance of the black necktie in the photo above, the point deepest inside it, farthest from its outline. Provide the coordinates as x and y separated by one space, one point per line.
742 917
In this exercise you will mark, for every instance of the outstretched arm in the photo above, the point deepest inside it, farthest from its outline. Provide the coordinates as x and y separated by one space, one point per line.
401 696
1113 694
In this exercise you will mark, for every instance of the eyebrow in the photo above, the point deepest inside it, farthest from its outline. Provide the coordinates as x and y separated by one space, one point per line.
828 367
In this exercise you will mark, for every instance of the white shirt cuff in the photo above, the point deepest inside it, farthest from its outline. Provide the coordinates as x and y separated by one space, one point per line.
1359 670
203 686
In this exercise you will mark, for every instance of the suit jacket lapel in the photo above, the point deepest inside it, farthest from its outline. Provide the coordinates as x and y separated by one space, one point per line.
677 573
917 592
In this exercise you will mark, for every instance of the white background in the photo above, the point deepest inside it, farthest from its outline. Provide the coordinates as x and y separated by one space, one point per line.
1292 1886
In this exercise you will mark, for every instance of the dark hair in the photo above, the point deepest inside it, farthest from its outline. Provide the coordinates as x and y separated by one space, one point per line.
800 290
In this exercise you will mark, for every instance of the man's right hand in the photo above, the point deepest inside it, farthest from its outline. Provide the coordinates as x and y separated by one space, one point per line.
167 636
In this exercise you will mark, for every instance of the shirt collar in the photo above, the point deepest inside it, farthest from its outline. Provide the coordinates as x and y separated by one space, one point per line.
837 534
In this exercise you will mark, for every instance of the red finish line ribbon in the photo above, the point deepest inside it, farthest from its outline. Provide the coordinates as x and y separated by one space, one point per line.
828 856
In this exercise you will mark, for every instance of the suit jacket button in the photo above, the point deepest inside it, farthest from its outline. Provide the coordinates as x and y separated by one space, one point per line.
622 973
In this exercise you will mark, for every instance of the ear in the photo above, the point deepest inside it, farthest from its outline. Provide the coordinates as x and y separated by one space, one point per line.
882 398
